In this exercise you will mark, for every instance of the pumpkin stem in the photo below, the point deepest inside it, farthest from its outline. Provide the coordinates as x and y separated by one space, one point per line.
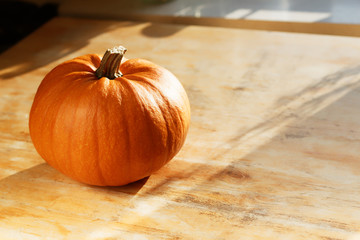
110 63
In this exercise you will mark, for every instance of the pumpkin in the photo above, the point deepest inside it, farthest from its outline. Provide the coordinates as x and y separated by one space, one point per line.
109 121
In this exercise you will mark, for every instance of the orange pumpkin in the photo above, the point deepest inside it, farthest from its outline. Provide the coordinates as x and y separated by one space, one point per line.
109 121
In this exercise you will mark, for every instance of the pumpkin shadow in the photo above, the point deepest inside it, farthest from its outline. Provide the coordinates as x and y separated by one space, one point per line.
131 188
43 194
44 178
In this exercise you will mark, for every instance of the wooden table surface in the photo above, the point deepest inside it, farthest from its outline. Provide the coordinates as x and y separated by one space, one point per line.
273 150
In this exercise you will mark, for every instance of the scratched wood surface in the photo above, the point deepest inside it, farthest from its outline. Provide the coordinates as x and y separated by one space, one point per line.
273 150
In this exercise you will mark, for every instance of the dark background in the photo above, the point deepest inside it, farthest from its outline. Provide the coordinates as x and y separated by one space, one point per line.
18 19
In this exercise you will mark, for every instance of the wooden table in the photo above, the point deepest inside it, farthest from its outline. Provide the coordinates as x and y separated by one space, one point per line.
273 150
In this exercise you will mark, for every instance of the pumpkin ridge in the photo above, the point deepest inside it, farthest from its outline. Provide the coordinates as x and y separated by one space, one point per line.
115 95
80 76
68 91
74 65
97 149
176 119
132 88
137 66
64 96
152 90
90 93
93 60
50 111
169 137
127 86
148 115
147 84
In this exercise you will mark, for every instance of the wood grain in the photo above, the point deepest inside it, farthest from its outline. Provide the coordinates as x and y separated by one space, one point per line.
272 152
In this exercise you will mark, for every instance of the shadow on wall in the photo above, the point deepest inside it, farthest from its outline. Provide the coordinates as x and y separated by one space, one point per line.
51 43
